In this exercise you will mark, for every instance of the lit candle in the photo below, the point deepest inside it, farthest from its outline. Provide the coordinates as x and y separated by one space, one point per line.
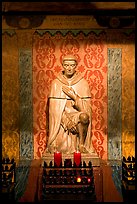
78 179
57 159
77 159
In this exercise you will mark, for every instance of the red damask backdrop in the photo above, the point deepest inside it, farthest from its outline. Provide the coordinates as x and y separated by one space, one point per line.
91 52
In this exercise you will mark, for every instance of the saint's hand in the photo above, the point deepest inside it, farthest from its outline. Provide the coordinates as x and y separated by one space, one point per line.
69 92
71 126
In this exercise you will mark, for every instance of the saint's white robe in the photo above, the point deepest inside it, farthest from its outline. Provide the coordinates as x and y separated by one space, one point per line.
60 139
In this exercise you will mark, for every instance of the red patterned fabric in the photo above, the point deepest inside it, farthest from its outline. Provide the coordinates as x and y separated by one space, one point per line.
91 52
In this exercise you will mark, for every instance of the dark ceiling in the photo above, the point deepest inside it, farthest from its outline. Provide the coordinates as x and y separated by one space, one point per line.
107 14
68 7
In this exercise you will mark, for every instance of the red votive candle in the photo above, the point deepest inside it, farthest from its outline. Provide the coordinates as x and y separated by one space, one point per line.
77 159
57 159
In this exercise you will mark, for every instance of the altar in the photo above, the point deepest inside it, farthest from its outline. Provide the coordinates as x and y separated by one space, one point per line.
85 157
68 179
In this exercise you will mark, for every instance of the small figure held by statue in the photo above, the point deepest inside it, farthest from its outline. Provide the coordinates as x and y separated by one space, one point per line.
70 111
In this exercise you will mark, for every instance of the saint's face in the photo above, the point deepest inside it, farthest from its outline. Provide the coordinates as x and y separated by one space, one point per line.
69 68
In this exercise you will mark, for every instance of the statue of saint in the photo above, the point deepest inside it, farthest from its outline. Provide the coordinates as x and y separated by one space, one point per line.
69 111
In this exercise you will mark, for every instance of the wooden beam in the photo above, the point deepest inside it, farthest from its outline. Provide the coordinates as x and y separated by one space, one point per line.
59 7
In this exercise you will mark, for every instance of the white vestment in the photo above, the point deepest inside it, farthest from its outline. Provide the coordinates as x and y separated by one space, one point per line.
59 138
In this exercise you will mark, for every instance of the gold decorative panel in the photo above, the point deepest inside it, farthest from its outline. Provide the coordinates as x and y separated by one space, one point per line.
10 96
10 144
128 100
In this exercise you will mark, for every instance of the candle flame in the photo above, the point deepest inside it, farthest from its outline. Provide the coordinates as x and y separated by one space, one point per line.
78 179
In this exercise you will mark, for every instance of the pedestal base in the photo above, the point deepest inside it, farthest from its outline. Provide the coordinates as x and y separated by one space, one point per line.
47 157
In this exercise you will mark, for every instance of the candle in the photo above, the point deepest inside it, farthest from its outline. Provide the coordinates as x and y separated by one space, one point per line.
57 159
77 159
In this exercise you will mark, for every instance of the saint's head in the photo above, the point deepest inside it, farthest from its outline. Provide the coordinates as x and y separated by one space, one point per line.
69 64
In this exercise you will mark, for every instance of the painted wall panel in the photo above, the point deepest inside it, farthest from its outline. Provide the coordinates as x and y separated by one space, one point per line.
114 103
10 96
26 112
91 52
